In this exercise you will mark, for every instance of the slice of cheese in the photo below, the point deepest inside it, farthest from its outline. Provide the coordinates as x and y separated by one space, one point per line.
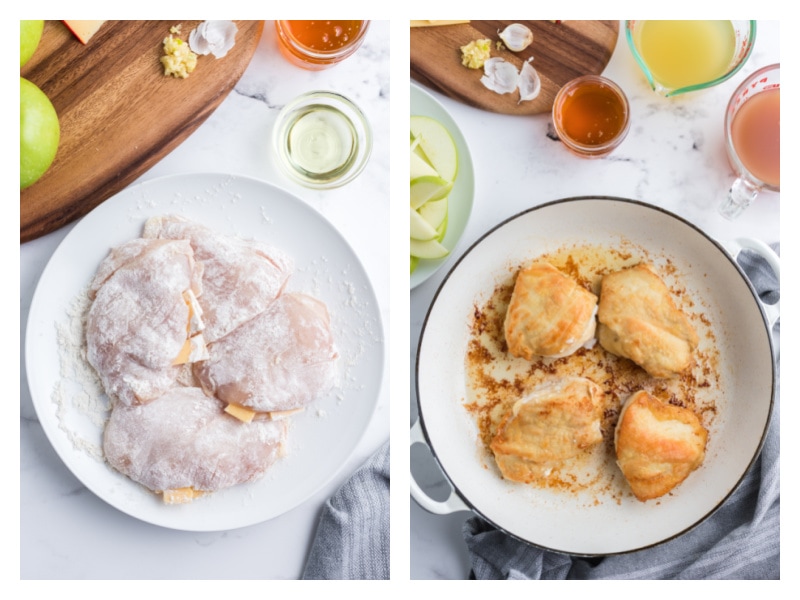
84 30
194 350
245 415
195 324
435 23
180 495
277 415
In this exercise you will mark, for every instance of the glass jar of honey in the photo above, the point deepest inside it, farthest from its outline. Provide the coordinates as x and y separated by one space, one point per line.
591 116
317 45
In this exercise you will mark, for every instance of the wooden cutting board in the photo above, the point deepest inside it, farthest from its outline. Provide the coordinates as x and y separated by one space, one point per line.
561 51
119 114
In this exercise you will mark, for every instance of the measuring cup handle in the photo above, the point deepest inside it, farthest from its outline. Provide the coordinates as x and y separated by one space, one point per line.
452 504
773 311
740 196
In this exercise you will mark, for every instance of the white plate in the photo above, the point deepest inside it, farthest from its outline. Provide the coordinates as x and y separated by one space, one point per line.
596 522
320 440
461 196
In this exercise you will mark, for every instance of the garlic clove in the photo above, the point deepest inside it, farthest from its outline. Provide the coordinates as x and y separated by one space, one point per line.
213 37
516 37
500 75
530 84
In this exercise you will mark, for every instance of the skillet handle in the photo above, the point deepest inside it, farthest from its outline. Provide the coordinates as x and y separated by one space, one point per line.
452 504
773 311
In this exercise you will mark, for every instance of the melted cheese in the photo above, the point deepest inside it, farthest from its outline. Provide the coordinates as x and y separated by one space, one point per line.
84 30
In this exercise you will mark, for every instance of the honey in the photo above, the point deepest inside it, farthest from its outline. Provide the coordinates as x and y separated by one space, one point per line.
317 45
590 115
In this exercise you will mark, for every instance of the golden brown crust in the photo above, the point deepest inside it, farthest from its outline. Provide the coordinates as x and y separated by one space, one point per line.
658 445
549 314
638 319
554 423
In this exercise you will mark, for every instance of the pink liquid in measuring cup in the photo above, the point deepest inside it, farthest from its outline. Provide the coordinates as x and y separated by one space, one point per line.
756 136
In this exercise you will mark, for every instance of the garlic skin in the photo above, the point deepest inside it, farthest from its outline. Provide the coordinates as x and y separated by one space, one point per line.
529 82
500 75
516 37
213 37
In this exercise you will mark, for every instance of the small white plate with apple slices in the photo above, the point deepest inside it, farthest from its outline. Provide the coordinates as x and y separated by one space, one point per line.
460 197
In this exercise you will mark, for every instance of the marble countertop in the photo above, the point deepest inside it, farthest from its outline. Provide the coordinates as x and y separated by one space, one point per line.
66 532
673 157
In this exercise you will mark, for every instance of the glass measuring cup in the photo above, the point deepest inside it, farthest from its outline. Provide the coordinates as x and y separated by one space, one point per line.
684 56
752 139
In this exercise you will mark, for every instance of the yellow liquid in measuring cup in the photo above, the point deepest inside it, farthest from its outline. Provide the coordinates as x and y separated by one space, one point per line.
321 142
683 53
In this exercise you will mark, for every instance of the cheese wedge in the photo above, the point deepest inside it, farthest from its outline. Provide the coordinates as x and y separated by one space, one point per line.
195 324
277 415
194 350
180 495
435 23
84 30
245 415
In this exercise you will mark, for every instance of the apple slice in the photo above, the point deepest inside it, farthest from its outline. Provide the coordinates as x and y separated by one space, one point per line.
414 263
434 212
427 188
441 230
430 249
420 168
420 228
437 144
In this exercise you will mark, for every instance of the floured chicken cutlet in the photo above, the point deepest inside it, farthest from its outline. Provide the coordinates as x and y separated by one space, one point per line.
557 421
639 320
658 445
241 278
549 314
140 324
283 359
184 444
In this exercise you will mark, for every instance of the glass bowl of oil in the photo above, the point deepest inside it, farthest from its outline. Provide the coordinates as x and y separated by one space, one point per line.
322 140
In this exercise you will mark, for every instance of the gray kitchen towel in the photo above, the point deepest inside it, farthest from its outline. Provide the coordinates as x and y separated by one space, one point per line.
739 541
352 538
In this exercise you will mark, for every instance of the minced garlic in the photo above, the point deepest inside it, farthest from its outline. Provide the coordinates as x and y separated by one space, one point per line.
476 53
178 59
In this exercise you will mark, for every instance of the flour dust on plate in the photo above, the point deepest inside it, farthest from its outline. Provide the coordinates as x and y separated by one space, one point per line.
68 398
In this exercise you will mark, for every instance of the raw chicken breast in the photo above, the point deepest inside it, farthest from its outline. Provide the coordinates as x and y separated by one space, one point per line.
184 439
283 359
138 323
240 278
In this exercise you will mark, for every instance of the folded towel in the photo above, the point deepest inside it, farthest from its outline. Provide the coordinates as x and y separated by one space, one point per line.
740 541
352 538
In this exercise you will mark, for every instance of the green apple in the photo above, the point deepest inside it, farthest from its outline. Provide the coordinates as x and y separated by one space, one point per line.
39 133
437 144
429 249
414 263
427 188
419 167
434 212
441 230
420 228
30 33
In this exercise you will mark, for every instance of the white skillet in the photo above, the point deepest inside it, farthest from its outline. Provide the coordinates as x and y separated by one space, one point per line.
570 523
